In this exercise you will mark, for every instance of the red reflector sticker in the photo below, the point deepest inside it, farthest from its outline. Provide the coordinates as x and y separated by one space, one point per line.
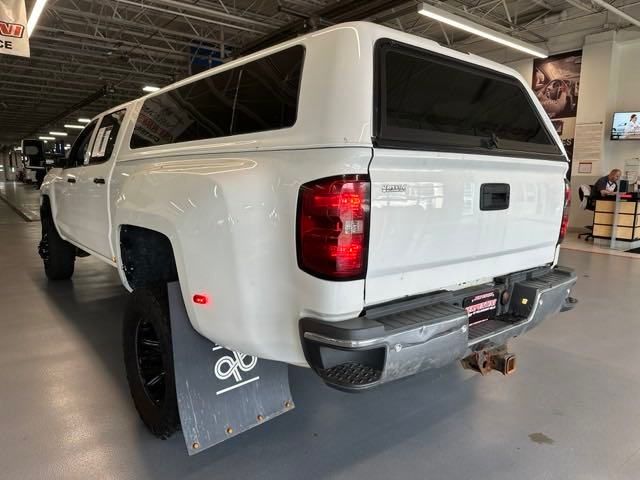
200 299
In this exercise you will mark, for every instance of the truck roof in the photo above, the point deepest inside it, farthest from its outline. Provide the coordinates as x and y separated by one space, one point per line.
336 95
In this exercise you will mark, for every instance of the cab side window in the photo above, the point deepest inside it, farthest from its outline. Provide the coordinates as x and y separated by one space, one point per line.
106 137
80 146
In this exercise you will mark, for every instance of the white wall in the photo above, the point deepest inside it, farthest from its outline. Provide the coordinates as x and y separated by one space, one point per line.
524 68
627 99
609 82
598 82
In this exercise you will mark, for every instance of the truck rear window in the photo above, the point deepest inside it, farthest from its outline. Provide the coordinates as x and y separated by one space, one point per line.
254 97
432 102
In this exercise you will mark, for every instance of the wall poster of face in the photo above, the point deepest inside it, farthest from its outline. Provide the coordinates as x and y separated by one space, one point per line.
556 83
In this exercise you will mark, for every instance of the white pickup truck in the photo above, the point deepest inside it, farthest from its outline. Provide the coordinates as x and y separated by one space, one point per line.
357 200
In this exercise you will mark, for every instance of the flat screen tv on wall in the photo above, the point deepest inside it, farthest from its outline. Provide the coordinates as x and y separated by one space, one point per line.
626 126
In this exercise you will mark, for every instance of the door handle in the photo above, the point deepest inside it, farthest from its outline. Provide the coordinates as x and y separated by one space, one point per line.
71 180
99 181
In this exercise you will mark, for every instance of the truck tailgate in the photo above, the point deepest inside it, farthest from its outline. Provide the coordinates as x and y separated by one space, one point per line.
428 230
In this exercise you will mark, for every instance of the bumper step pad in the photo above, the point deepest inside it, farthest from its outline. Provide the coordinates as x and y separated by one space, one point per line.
481 329
351 374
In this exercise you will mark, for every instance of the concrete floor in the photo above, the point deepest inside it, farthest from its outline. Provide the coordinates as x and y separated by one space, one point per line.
8 214
23 199
570 411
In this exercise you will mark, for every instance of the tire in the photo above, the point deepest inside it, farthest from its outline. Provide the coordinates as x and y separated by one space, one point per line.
148 359
58 255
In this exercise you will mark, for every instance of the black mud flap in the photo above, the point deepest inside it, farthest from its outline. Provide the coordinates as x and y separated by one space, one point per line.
221 393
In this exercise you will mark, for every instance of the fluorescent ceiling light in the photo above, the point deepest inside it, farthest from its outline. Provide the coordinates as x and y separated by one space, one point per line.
150 89
35 15
84 120
77 127
58 134
46 138
476 29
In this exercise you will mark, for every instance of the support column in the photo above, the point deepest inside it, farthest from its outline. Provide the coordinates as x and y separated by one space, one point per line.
598 85
6 165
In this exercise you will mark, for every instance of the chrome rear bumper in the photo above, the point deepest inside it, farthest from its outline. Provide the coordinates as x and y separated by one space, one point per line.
395 341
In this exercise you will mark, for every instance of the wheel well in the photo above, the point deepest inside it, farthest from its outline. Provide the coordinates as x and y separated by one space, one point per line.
45 207
46 215
147 257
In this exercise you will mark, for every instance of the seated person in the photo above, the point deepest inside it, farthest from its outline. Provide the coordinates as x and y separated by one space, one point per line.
607 185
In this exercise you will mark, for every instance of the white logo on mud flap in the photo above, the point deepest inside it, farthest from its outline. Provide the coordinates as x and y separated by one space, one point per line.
232 366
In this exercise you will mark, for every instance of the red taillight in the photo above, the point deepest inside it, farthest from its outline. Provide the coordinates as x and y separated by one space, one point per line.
333 227
565 211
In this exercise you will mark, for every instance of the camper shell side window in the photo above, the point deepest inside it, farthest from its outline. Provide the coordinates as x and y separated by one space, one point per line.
258 96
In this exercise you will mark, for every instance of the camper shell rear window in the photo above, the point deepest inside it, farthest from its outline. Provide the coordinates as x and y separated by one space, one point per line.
428 101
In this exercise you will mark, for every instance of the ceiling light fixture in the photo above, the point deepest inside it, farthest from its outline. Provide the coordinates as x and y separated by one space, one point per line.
58 134
476 29
46 138
150 89
35 15
84 120
77 127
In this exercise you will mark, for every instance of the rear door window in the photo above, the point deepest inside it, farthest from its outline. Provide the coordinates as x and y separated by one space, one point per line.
106 137
428 101
77 154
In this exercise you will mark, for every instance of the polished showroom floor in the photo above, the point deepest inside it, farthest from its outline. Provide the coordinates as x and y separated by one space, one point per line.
569 412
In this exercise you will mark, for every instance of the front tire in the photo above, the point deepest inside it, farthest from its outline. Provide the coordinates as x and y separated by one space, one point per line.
148 358
58 255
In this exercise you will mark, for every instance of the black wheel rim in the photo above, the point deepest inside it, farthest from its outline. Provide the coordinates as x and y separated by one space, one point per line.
151 368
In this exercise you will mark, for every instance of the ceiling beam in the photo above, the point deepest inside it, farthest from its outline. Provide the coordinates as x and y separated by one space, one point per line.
89 54
618 12
264 25
94 67
135 25
196 18
334 12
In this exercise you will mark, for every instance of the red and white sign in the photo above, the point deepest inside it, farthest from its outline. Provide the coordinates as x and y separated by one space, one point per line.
481 307
162 120
14 39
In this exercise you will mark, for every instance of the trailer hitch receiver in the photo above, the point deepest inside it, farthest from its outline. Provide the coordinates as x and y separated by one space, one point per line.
484 361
